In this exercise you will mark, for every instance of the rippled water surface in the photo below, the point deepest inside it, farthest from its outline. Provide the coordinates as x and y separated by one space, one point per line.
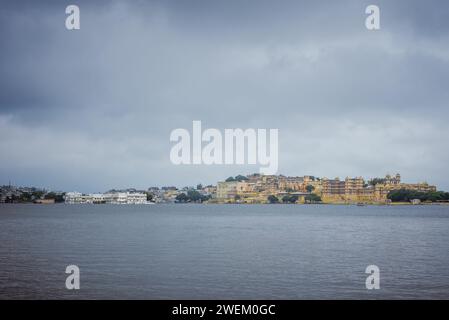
224 251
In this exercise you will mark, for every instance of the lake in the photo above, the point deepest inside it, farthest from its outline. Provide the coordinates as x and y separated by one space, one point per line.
187 251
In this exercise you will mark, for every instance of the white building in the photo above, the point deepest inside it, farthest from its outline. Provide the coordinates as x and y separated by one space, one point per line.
125 198
97 198
116 198
137 198
73 197
112 198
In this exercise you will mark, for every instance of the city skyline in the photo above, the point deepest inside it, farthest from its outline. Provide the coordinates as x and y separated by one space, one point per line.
194 185
250 189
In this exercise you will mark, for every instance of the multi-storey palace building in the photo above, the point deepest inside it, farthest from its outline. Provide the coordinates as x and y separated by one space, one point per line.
256 188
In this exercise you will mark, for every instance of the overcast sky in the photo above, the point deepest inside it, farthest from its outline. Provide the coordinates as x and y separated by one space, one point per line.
92 109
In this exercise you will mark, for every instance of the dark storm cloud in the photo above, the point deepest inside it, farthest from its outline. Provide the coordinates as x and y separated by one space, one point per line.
93 109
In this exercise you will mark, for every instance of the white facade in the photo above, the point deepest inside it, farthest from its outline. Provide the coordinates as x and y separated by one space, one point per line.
97 198
73 197
125 198
116 198
137 198
78 198
112 198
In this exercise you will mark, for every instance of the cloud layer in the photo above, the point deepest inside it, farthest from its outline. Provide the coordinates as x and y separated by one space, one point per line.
93 109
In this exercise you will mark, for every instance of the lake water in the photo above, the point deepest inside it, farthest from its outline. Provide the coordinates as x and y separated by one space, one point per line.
224 251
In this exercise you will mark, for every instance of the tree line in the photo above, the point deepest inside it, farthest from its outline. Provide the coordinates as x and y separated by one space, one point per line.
310 198
404 195
191 196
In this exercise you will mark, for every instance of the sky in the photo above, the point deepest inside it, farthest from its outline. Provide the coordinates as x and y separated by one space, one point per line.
92 109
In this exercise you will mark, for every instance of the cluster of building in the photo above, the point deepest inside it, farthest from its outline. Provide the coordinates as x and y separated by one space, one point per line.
132 196
256 189
109 197
170 194
356 189
13 194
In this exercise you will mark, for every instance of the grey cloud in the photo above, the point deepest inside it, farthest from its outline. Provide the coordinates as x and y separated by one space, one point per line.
101 102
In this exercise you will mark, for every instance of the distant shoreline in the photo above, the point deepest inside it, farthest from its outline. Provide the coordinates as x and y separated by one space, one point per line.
248 204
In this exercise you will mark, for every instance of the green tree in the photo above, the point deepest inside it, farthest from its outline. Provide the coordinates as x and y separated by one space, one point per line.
289 198
25 197
404 195
272 199
312 198
182 197
37 194
60 197
310 188
194 195
230 179
205 198
240 178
